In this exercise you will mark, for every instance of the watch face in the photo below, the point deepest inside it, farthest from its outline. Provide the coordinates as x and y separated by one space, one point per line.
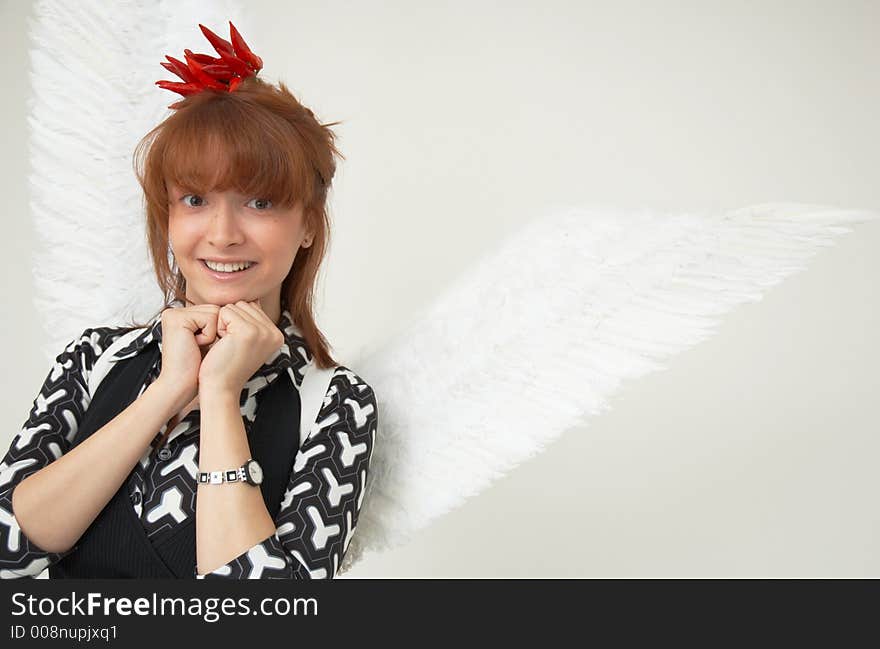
255 472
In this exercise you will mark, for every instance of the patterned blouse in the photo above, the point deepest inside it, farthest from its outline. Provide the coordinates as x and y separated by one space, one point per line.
320 507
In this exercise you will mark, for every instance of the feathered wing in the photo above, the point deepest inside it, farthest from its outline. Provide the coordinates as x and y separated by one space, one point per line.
540 334
93 65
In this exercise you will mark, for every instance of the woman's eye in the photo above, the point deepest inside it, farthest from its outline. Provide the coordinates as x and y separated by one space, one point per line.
185 196
263 201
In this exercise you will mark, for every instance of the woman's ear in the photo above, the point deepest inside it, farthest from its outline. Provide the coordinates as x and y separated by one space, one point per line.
309 236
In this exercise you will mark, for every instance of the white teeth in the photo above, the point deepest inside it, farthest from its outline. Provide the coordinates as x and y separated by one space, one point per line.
227 268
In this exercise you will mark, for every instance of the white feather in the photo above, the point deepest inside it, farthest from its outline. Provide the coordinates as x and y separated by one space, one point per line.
541 333
93 70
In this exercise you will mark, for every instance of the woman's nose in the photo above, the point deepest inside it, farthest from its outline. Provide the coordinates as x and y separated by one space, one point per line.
223 227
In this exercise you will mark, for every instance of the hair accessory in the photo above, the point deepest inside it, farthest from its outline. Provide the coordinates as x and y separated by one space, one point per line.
203 72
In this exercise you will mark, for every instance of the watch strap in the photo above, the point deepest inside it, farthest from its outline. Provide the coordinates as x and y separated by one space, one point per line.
222 477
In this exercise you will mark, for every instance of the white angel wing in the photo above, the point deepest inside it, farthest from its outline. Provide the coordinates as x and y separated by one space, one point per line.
93 67
541 333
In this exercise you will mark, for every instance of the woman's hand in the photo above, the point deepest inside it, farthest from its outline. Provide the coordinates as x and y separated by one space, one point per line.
183 349
248 339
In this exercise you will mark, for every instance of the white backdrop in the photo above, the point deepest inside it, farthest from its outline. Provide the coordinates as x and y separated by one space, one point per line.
752 455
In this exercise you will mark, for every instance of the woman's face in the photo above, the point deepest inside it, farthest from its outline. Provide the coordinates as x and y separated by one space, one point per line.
230 227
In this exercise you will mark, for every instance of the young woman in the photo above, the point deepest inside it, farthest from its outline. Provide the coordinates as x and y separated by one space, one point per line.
174 448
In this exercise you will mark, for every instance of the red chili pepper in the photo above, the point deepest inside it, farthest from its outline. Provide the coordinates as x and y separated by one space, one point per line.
180 69
219 44
187 77
169 67
204 59
220 72
180 88
236 64
204 78
242 51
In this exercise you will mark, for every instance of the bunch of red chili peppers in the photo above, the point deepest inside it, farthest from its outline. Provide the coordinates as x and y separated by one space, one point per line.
202 71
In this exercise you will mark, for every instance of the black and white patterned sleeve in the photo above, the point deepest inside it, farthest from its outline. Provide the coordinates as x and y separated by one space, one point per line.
46 435
319 511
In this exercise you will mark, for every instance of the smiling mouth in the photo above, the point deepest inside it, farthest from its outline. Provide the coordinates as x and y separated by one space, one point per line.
220 272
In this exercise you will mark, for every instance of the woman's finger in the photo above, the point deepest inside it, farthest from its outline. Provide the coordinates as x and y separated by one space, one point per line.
247 318
209 327
255 313
204 317
263 322
228 314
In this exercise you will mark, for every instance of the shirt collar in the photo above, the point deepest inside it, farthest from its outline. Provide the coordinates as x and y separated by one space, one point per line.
293 356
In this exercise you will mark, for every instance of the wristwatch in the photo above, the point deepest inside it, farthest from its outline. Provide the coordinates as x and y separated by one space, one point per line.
250 472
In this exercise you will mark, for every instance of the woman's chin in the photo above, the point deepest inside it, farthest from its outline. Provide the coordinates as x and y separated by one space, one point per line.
224 295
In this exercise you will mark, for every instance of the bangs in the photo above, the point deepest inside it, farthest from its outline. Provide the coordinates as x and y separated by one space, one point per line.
211 149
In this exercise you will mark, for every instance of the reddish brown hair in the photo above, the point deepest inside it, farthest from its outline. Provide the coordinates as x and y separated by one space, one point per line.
260 141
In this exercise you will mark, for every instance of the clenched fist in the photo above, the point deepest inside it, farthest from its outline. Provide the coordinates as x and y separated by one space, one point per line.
249 339
187 335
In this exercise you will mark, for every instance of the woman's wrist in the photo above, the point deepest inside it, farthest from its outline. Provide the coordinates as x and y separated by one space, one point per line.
215 392
173 398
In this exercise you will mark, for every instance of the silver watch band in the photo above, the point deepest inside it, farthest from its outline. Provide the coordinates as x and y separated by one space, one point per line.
221 477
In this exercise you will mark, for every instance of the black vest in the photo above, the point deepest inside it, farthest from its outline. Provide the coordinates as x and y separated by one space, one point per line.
116 545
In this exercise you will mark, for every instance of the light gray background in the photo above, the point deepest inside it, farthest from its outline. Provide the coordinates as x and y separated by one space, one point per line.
754 455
